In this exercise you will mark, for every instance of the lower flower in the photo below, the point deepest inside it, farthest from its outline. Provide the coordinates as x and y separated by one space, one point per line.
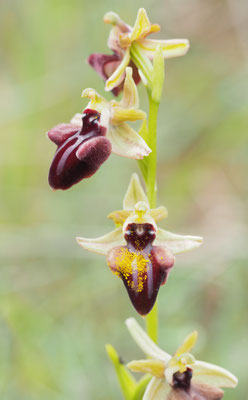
181 376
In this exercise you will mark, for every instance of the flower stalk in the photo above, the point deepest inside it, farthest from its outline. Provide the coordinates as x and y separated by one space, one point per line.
154 75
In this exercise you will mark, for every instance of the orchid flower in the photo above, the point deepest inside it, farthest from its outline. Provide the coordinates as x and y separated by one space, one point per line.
122 38
88 140
181 376
137 251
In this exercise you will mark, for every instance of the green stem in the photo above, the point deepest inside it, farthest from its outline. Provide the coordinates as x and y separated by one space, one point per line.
152 317
152 159
147 69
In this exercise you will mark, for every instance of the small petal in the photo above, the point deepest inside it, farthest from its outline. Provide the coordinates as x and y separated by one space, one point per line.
61 132
170 48
144 342
153 367
117 77
213 375
157 389
120 115
126 142
103 244
177 243
188 344
134 194
119 216
130 97
159 213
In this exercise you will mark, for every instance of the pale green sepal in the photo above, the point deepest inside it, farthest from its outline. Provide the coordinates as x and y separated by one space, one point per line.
158 74
134 194
126 380
141 387
103 244
213 375
150 366
126 142
157 389
159 213
177 243
145 343
188 344
170 48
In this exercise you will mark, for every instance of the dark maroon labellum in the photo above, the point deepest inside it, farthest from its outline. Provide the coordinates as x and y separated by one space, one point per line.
80 152
142 266
182 380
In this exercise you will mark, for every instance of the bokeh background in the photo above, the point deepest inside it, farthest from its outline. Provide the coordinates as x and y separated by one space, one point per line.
59 305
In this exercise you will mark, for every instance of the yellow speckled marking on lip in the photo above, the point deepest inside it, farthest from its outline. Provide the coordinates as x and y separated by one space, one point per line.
127 264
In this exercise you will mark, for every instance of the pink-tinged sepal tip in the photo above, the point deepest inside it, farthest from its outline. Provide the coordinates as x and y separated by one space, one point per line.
81 150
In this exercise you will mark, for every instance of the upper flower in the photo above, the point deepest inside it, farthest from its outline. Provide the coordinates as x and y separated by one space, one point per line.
137 251
122 39
179 376
87 141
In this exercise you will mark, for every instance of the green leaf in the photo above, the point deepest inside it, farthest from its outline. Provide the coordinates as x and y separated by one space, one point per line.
127 382
141 387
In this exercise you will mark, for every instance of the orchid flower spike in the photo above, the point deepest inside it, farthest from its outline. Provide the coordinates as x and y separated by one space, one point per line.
88 140
122 37
137 251
181 376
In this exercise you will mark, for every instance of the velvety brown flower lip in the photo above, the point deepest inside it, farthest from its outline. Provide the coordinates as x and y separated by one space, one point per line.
142 266
80 152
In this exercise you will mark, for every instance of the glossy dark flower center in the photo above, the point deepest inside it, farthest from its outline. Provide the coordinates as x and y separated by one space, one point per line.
182 380
140 236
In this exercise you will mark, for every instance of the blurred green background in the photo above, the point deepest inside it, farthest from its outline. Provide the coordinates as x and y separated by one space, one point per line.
59 305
